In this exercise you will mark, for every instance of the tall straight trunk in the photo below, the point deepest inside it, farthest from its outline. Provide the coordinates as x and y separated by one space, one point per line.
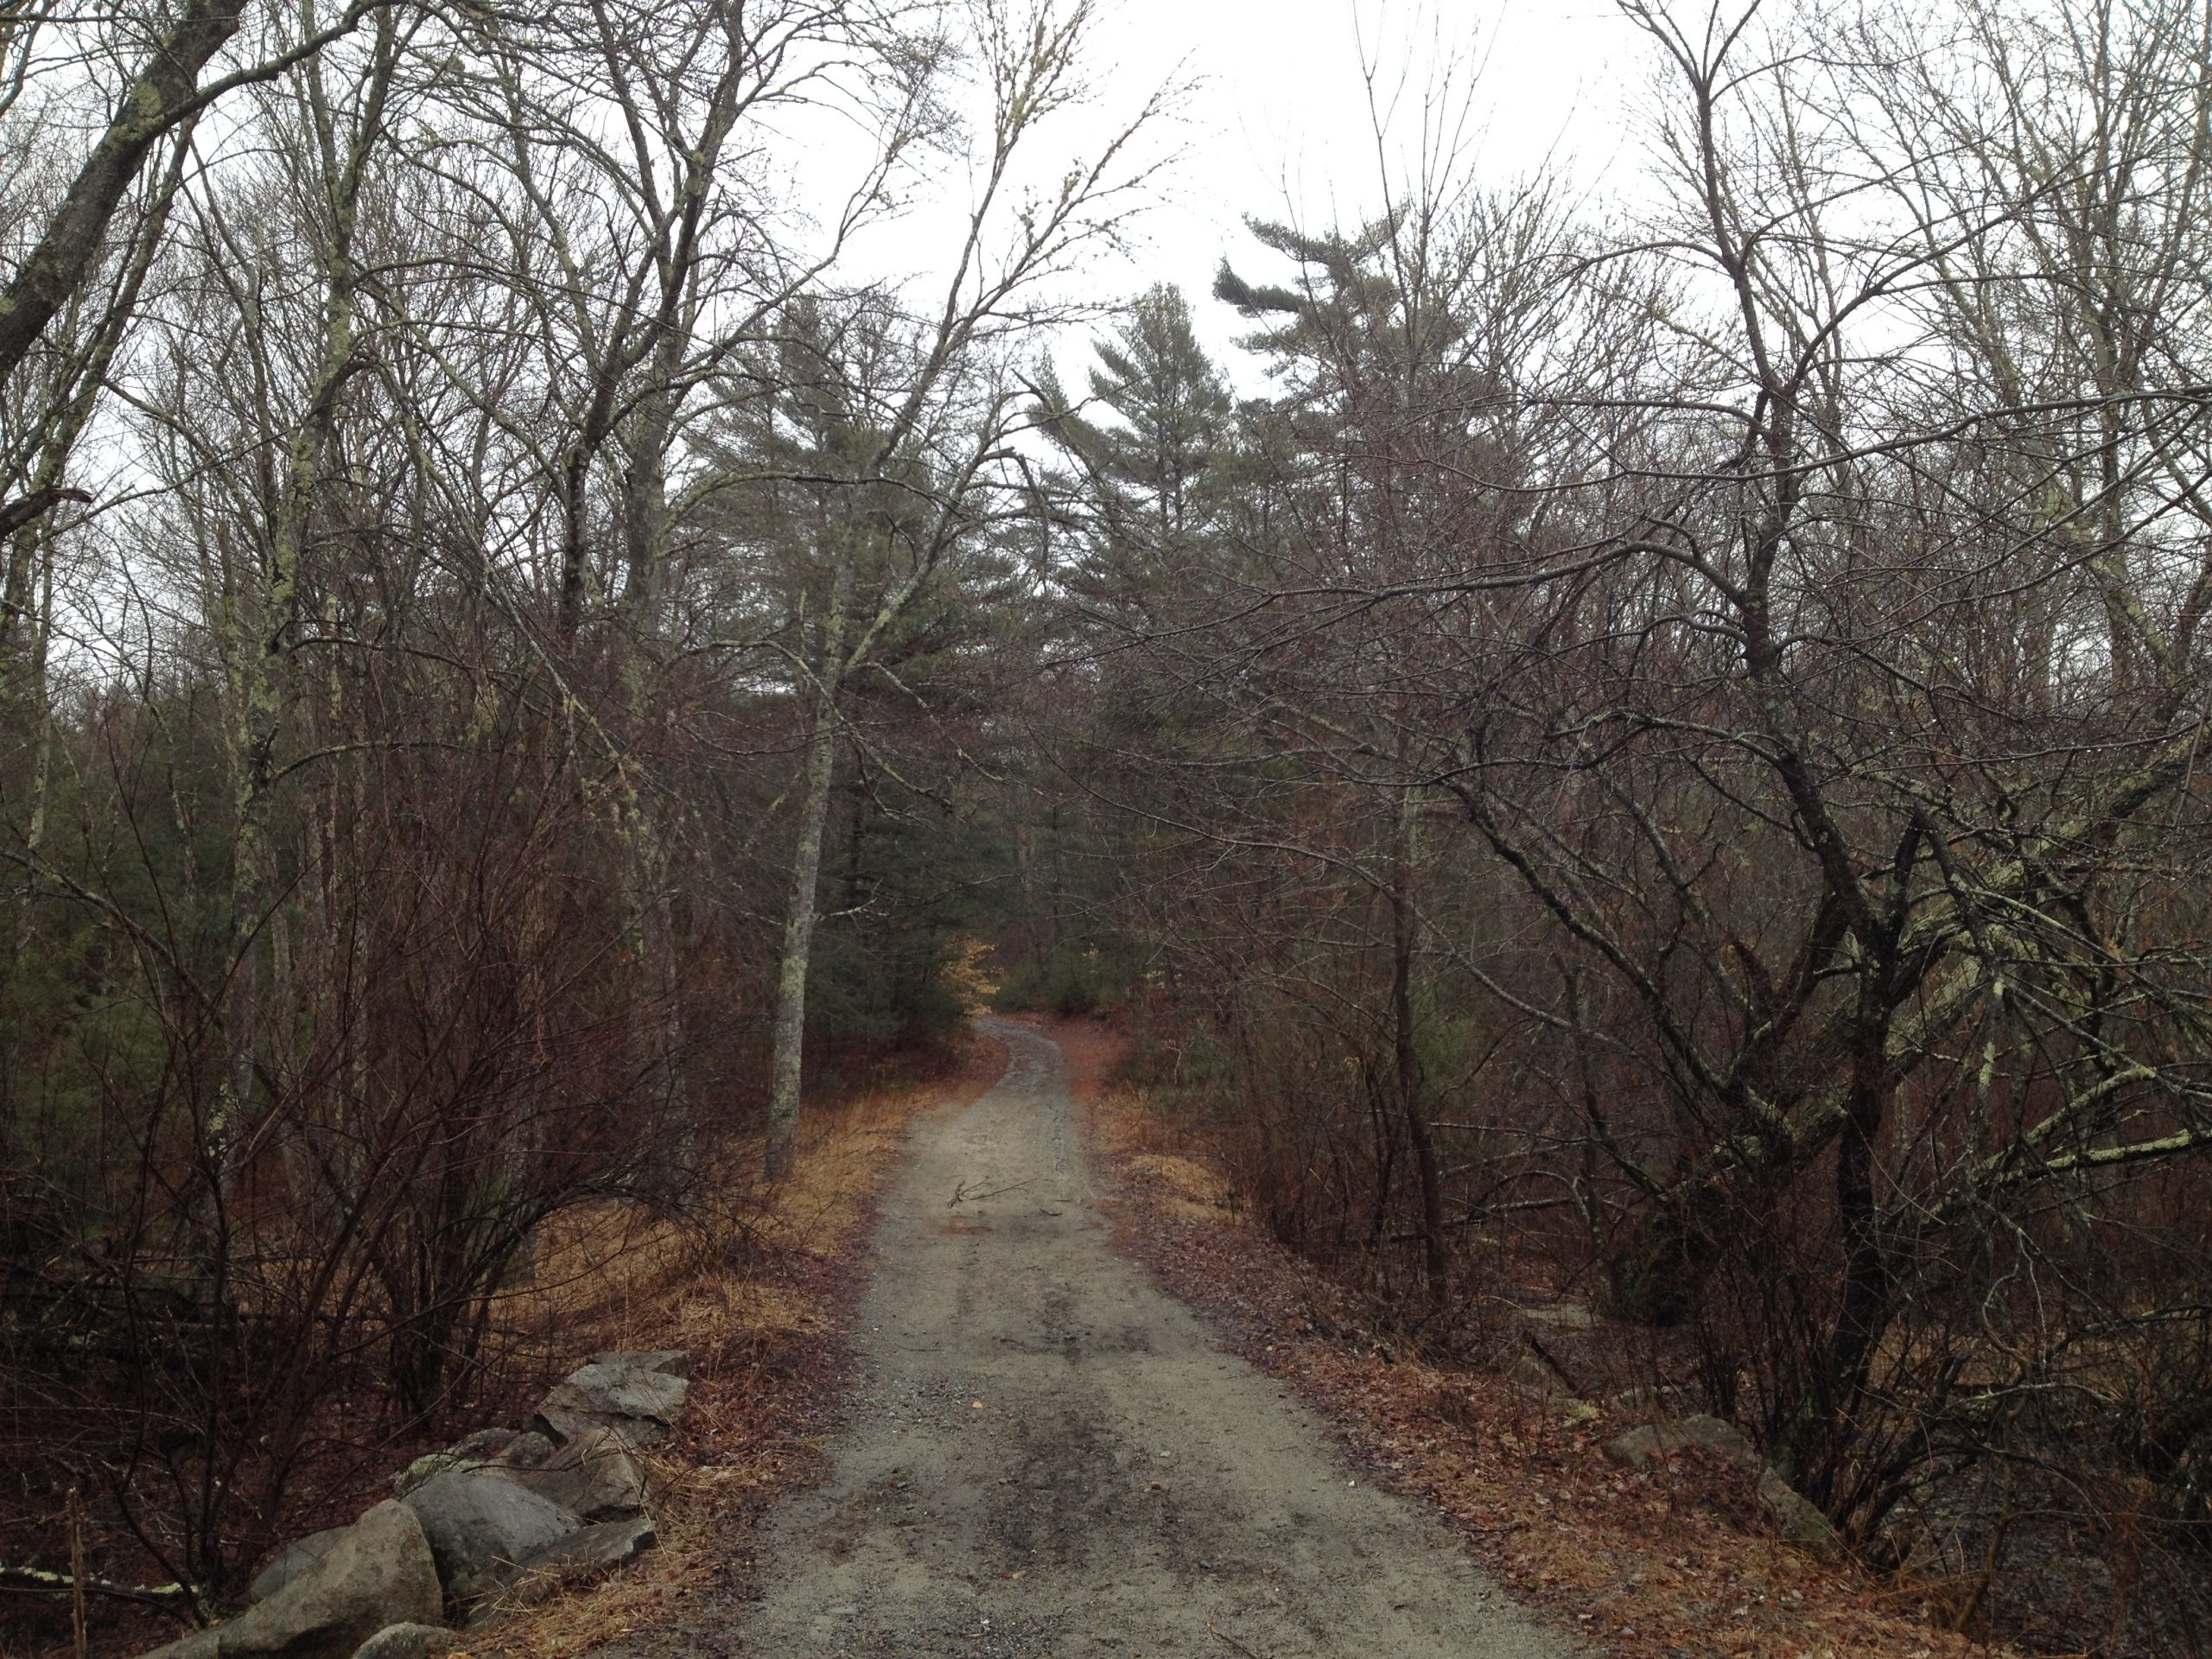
260 627
1404 926
324 1145
25 547
655 1026
41 713
255 645
576 497
575 476
648 897
798 937
645 490
830 667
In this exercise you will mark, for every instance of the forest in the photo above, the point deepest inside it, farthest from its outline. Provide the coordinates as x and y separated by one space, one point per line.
1655 751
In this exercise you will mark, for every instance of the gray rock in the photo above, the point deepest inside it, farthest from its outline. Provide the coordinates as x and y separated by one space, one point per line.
482 1526
379 1573
1638 1448
481 1450
615 1389
558 1427
1563 1316
1642 1448
431 1465
593 1475
611 1544
1531 1376
406 1641
1795 1516
668 1362
293 1560
529 1450
1714 1435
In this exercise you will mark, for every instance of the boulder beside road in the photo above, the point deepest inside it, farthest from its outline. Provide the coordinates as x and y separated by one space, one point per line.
482 1526
1796 1518
563 1498
406 1641
628 1392
594 1476
293 1560
378 1573
1653 1443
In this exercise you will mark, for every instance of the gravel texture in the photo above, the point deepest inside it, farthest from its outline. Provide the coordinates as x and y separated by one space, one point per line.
1046 1454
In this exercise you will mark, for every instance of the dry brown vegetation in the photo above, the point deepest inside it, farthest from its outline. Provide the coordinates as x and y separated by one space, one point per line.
1661 766
1659 762
491 623
1644 1565
755 1290
763 1328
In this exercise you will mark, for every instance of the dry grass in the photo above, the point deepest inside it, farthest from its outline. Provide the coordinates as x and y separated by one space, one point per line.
758 1296
1185 1188
1117 1125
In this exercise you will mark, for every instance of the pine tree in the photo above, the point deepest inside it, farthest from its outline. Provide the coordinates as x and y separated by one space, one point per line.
1148 480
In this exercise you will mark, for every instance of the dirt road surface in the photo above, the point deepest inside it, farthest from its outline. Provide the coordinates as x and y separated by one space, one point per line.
1047 1455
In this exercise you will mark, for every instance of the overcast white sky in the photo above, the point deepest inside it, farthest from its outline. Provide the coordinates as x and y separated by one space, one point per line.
1277 125
1281 106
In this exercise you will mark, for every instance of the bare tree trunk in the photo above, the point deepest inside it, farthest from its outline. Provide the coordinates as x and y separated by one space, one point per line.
41 707
1404 929
263 634
648 900
1031 70
30 543
798 935
163 93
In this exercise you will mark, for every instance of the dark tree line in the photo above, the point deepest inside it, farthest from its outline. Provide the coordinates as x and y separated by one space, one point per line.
1660 761
496 617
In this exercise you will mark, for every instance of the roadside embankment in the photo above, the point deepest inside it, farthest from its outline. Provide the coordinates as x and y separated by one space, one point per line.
1677 1557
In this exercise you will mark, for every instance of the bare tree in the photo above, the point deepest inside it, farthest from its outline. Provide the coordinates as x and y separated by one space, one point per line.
1795 622
959 407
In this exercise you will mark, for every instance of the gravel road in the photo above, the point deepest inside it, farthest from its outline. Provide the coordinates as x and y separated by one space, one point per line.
1047 1455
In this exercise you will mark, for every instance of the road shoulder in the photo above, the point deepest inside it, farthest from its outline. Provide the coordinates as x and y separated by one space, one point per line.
1650 1565
769 1329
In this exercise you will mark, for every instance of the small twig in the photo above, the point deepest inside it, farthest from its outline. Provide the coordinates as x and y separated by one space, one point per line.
961 1194
1224 1636
61 1584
